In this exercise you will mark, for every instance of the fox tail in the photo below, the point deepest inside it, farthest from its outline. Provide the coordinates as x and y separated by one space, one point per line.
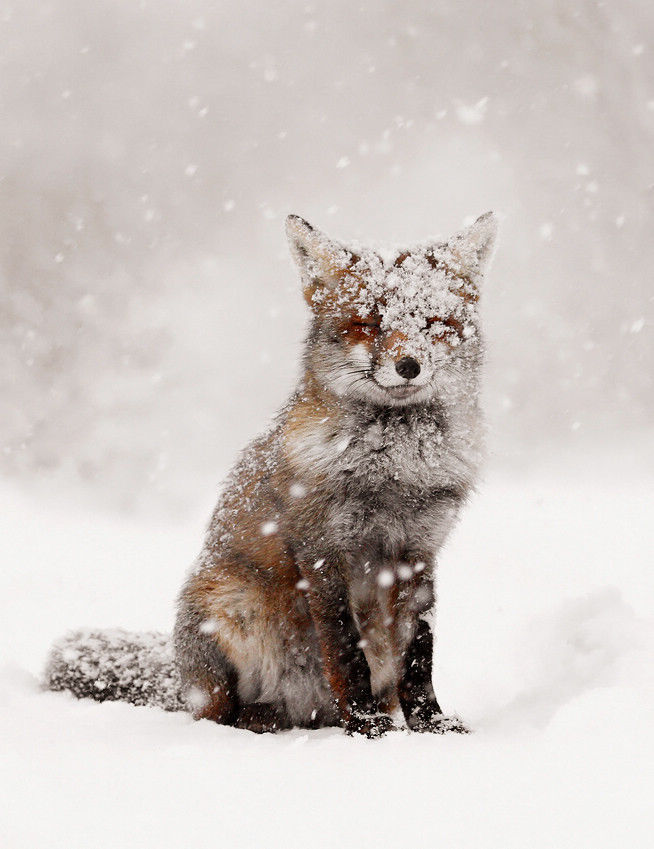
116 665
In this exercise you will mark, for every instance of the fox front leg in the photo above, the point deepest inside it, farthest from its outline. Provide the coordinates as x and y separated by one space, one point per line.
416 691
344 663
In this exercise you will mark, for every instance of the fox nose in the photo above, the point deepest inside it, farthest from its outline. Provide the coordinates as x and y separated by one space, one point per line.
407 367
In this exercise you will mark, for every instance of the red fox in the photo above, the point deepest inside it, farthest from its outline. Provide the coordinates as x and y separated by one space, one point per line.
310 602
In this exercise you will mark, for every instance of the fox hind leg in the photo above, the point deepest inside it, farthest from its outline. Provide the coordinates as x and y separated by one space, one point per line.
209 680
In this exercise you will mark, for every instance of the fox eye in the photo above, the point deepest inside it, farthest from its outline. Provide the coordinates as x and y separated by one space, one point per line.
429 322
372 323
450 322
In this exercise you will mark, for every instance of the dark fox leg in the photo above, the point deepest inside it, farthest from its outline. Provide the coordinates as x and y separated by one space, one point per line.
344 662
416 691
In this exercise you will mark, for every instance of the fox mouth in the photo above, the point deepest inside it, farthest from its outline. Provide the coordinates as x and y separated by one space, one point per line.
405 391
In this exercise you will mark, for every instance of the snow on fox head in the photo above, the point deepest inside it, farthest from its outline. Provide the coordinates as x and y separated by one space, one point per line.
392 328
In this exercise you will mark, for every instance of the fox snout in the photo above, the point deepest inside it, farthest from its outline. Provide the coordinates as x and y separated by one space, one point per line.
395 352
408 368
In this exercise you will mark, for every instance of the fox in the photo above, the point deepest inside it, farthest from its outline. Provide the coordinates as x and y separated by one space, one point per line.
311 603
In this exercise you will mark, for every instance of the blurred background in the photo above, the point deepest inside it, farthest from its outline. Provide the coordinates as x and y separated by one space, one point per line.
150 319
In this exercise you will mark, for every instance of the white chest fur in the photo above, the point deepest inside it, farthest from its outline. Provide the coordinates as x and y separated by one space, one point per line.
421 448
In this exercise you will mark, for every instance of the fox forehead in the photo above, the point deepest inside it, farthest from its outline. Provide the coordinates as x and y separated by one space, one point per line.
418 280
431 286
403 292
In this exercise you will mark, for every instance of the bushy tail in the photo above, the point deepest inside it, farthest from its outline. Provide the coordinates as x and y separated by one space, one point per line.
116 665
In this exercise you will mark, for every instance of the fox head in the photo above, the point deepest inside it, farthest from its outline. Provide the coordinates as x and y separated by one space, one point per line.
392 329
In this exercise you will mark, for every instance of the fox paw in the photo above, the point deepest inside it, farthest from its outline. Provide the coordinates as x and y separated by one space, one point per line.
371 725
437 723
260 718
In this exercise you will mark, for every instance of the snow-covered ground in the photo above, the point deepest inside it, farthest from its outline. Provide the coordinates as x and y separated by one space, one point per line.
545 647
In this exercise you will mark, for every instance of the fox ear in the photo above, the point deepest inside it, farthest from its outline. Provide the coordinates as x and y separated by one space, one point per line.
475 245
320 260
304 240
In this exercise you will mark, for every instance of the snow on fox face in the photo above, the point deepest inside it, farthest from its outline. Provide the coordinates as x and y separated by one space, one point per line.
390 327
